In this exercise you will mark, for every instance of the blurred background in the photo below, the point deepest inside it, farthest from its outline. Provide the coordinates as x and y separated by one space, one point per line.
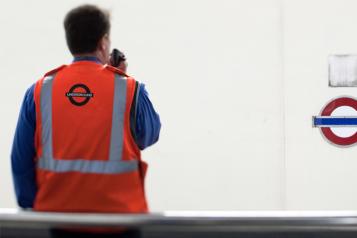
235 82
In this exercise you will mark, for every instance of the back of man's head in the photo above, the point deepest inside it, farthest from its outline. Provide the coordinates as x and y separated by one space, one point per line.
85 26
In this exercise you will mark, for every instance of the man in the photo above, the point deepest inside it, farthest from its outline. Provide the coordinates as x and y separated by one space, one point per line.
81 128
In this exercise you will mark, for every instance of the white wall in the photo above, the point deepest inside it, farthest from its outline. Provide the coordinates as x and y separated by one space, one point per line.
214 71
235 82
320 176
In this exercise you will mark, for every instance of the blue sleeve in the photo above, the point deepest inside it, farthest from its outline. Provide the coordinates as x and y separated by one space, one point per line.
23 153
147 121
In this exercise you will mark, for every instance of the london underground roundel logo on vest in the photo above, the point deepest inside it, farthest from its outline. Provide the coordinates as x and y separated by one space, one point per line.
338 121
79 94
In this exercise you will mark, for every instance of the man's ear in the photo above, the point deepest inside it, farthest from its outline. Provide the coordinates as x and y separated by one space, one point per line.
102 45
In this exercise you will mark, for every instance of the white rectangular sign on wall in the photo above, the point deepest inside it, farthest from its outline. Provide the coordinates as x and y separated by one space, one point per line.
343 70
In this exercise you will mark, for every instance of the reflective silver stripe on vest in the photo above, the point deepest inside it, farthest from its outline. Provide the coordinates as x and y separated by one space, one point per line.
115 164
117 134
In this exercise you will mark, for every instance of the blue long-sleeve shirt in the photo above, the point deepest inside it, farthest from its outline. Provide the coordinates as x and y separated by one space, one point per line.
145 125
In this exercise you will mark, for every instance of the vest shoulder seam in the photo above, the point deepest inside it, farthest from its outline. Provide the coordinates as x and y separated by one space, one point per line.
55 70
116 70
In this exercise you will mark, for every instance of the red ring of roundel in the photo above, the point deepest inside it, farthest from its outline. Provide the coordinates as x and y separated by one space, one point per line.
329 108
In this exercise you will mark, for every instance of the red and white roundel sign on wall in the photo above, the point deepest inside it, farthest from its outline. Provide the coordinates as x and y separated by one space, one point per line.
338 121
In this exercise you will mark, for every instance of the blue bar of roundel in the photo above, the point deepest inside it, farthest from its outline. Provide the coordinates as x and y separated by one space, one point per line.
318 121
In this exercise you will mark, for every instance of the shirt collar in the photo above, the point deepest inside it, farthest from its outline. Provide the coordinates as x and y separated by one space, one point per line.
87 58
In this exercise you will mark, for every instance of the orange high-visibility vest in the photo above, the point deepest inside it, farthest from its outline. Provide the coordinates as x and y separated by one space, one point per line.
87 159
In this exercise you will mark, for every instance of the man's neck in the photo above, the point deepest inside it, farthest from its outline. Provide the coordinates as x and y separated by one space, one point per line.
90 55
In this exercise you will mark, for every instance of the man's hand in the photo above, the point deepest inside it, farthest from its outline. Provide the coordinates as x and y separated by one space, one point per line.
123 66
